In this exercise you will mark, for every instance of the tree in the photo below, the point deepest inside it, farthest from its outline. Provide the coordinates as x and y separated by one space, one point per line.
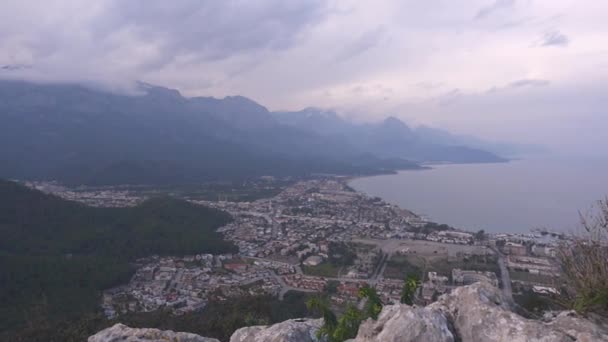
409 289
480 235
319 305
584 264
373 304
331 287
348 325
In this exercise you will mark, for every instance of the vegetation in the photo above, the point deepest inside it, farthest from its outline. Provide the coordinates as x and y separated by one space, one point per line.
58 255
217 319
584 266
331 287
534 304
320 306
431 227
234 191
412 282
341 254
346 327
399 267
373 304
481 235
322 270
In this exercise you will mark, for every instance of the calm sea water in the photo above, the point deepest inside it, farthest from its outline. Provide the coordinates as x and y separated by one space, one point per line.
504 197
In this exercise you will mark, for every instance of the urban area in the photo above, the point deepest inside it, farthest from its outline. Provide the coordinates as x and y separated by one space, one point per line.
320 235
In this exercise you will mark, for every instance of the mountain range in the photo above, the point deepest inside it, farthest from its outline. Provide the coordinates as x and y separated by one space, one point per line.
82 135
391 138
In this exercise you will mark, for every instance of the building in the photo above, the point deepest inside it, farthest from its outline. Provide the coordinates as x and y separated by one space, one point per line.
514 248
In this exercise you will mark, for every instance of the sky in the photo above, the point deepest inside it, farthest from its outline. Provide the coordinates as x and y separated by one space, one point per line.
531 71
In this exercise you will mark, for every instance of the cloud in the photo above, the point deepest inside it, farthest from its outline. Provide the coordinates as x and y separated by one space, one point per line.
529 83
555 38
328 53
449 97
498 5
364 42
125 39
213 29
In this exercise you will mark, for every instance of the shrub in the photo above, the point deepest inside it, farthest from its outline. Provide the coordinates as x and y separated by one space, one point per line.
584 263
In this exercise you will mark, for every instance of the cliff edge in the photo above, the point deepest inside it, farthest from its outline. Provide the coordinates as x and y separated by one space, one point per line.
471 313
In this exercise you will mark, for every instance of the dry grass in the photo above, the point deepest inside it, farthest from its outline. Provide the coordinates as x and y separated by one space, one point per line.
584 262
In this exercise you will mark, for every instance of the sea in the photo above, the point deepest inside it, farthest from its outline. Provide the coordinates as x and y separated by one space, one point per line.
512 197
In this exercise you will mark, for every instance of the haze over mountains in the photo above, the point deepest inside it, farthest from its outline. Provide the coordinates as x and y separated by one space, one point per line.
80 135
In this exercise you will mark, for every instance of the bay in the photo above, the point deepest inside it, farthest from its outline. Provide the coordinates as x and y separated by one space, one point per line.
503 197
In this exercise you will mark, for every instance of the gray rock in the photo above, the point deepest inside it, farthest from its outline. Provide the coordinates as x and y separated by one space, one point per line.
406 323
477 313
468 314
122 333
300 330
577 327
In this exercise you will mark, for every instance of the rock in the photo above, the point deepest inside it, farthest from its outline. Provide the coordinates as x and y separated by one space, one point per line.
300 330
478 313
577 327
406 323
121 332
471 313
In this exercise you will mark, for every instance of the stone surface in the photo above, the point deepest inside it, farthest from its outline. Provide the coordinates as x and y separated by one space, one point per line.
121 332
301 330
477 313
406 323
575 326
469 314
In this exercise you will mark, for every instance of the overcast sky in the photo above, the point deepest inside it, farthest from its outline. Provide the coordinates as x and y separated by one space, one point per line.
517 70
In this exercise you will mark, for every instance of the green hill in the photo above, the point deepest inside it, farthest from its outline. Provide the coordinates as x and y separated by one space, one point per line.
57 255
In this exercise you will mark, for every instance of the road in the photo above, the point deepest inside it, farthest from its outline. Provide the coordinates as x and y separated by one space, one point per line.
504 275
286 288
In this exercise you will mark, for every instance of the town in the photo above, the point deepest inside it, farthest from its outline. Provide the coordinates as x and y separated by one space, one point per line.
321 236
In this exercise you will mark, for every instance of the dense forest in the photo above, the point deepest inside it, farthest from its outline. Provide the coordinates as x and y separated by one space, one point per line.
56 255
219 319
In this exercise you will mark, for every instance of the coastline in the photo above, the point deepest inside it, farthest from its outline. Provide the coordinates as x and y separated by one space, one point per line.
513 197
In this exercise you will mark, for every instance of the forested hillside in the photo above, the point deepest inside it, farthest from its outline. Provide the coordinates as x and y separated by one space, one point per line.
56 255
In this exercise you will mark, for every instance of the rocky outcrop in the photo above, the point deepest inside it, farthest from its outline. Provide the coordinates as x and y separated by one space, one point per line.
469 314
575 326
122 333
406 323
300 330
474 313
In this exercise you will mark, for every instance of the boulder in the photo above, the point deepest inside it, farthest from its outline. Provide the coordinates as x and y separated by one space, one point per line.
300 330
122 333
581 329
406 323
479 312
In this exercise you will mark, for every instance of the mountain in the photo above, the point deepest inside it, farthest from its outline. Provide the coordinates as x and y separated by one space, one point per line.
80 135
510 150
391 138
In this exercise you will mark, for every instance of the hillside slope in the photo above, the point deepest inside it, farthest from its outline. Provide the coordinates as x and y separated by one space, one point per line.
56 255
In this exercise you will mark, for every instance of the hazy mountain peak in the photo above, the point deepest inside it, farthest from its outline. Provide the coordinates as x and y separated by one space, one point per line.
319 112
154 90
239 100
15 67
395 125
